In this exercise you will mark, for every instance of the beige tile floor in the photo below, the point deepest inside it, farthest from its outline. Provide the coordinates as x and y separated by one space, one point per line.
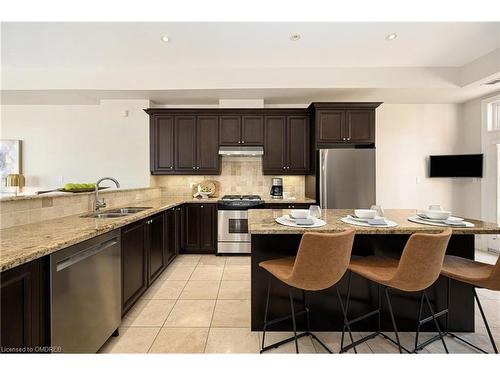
201 304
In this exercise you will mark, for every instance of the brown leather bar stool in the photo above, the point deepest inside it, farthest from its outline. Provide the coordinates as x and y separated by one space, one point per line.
417 269
321 261
477 274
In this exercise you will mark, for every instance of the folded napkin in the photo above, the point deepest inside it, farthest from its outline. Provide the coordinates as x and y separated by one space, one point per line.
307 221
455 223
377 221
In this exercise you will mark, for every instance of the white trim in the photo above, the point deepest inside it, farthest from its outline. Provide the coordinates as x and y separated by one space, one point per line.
488 138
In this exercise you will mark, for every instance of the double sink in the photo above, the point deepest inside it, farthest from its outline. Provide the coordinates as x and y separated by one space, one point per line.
114 213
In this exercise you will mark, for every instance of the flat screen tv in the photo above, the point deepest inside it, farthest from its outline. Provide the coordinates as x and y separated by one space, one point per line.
456 165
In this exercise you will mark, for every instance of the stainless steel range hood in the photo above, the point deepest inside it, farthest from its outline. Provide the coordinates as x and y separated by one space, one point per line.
241 150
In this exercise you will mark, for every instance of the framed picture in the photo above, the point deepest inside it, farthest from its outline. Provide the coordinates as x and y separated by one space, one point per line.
10 157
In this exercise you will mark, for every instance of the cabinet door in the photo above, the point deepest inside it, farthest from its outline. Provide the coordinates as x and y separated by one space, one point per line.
208 159
134 264
208 228
230 130
274 159
191 227
360 125
185 143
162 144
171 233
252 129
157 257
22 292
178 229
330 126
298 145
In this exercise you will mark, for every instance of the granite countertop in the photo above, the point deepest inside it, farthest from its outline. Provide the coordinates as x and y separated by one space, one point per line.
21 244
263 222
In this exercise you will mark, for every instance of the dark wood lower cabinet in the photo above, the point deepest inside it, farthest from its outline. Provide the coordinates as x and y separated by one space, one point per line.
172 232
134 264
156 247
25 308
199 228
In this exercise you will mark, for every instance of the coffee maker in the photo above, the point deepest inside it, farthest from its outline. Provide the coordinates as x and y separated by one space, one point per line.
277 188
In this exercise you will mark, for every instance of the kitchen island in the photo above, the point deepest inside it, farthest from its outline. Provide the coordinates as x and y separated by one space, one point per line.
271 240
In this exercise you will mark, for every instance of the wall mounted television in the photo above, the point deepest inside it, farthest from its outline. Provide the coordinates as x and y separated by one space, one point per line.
456 165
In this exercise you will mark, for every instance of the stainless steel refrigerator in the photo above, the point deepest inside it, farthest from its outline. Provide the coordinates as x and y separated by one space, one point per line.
346 178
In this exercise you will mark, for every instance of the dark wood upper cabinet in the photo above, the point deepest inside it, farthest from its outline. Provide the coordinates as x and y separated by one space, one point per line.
274 159
252 130
185 141
134 263
24 306
344 123
199 228
162 143
360 126
230 130
286 145
298 144
330 126
207 144
157 255
241 130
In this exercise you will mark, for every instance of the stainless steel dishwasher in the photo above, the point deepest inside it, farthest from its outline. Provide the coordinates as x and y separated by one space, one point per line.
86 294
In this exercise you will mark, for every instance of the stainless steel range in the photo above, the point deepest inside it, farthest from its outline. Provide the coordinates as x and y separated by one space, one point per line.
233 236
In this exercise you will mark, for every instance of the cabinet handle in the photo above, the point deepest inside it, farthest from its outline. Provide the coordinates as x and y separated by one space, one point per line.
242 141
171 167
284 167
201 206
194 167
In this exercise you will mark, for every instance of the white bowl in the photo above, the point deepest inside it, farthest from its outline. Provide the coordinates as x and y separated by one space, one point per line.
299 214
365 214
437 214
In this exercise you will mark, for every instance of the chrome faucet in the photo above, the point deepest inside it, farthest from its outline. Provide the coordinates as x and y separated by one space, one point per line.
100 203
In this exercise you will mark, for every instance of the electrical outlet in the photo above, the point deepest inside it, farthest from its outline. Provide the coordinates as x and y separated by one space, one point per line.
417 180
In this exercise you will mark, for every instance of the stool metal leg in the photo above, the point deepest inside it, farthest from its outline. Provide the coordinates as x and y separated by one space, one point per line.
293 321
346 307
485 322
393 320
265 313
435 321
419 321
346 322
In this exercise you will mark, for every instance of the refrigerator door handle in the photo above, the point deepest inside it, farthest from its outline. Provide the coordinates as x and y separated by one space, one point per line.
323 186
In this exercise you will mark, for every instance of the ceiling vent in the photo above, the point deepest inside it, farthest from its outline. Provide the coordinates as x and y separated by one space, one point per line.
494 82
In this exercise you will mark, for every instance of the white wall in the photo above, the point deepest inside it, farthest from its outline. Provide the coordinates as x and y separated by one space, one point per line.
81 143
406 135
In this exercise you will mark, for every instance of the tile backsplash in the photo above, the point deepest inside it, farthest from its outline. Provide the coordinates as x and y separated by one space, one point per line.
33 209
239 175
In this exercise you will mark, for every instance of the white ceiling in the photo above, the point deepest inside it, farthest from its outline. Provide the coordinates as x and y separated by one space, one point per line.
82 63
349 44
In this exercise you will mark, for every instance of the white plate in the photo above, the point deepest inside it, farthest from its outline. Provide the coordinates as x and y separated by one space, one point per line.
439 223
349 220
424 217
289 222
360 219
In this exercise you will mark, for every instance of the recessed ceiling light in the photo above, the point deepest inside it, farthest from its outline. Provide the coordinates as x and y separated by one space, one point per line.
295 37
165 39
391 36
